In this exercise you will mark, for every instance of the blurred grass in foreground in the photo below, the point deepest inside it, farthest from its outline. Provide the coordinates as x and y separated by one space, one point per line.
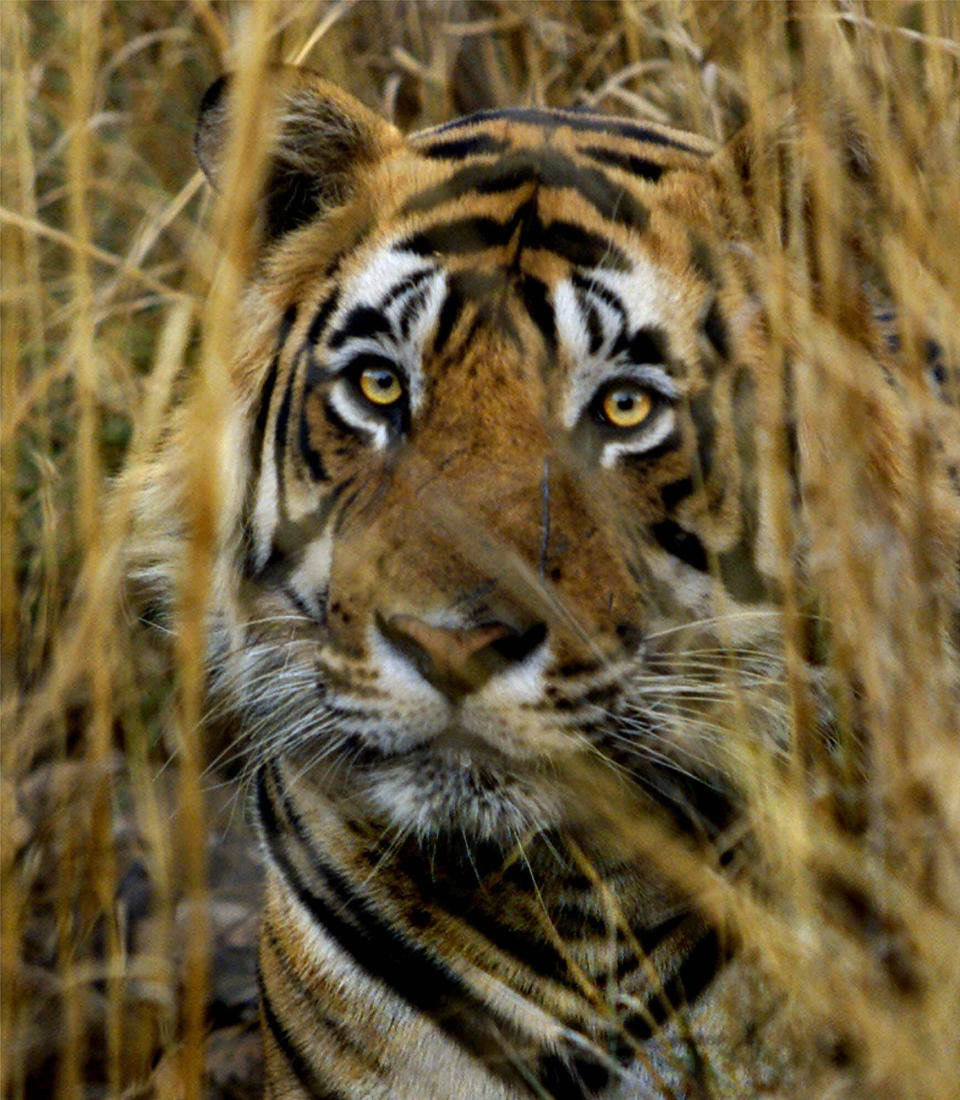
107 259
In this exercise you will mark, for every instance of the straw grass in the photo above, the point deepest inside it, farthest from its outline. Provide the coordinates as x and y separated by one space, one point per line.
119 280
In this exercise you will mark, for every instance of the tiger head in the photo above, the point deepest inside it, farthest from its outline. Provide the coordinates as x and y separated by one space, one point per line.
495 482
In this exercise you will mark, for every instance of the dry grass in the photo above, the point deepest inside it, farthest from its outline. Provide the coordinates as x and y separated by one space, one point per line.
108 252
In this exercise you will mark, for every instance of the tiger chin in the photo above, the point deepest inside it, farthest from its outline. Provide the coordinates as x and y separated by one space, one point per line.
492 520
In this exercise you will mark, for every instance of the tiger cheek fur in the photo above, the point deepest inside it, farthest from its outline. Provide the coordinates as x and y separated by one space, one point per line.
487 488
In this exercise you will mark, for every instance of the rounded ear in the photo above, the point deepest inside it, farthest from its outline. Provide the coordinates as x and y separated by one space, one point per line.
209 137
322 139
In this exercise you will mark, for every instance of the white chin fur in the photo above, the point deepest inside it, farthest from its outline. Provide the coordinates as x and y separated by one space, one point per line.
429 797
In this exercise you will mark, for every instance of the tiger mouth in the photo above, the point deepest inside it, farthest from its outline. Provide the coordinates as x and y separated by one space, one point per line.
454 747
478 793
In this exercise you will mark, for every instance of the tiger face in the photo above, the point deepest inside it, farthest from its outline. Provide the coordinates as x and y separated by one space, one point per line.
491 481
516 485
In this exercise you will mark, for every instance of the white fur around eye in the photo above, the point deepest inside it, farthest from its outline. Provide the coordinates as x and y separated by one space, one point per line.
350 409
374 286
638 441
617 302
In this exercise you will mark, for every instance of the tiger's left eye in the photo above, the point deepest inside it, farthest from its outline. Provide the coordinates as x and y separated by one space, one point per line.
380 386
625 405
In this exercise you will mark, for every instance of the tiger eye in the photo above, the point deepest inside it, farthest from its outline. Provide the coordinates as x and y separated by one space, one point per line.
626 406
380 386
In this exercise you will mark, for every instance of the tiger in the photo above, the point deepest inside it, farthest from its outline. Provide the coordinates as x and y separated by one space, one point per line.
498 583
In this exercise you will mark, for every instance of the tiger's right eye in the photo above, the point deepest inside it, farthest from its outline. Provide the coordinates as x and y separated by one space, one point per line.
624 405
380 386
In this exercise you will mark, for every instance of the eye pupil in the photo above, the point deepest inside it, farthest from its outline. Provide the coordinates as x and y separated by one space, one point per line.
380 385
625 405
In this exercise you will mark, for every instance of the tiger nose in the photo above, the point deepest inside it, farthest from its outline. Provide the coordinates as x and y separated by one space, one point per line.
459 661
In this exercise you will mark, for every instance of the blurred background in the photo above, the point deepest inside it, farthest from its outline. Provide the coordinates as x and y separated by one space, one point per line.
130 880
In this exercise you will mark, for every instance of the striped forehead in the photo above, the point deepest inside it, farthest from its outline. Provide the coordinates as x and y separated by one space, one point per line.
501 198
401 304
520 181
607 138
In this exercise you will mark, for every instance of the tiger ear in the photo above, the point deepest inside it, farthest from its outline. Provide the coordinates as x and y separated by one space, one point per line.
322 138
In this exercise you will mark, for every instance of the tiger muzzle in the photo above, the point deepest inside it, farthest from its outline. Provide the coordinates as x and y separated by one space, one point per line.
455 661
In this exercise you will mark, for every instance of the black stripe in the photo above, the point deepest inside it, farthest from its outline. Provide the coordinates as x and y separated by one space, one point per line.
571 1077
739 573
609 199
536 299
649 939
292 595
530 950
272 570
404 967
450 312
280 429
411 282
629 162
322 316
291 537
694 974
715 329
599 124
458 148
299 1066
266 393
259 433
462 893
580 246
647 345
545 168
479 288
598 290
705 426
513 171
334 1026
672 493
360 321
464 235
594 328
701 965
701 260
410 309
459 236
310 455
681 544
586 292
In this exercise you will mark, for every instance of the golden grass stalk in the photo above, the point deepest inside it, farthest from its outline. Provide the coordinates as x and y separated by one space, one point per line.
111 266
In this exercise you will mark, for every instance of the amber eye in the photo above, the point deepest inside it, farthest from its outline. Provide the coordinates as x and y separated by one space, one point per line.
380 385
625 405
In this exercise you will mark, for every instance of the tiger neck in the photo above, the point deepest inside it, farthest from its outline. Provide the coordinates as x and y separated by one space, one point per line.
537 915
